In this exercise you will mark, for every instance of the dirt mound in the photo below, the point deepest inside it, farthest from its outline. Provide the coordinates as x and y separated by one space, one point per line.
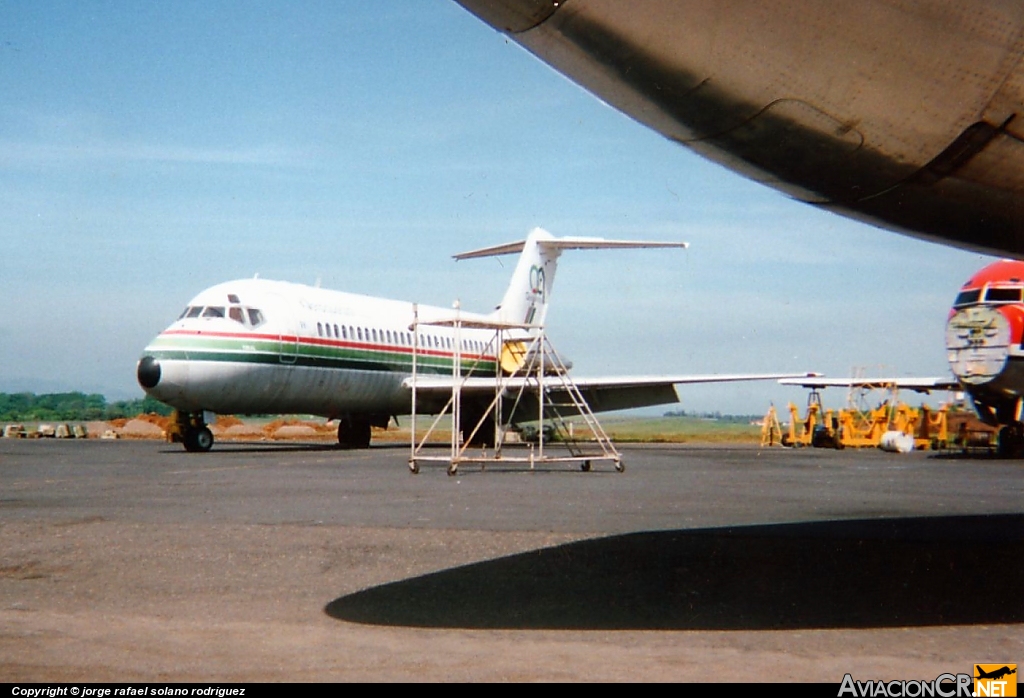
141 429
240 431
297 429
155 419
154 426
226 421
95 428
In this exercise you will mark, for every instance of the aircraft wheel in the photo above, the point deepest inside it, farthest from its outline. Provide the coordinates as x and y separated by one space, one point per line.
198 439
364 435
1011 440
204 439
485 436
354 432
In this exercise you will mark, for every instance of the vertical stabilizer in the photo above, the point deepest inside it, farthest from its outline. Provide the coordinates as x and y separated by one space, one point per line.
526 299
528 294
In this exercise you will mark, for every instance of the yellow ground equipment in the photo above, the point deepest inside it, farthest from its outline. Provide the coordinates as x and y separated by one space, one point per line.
771 430
859 426
819 428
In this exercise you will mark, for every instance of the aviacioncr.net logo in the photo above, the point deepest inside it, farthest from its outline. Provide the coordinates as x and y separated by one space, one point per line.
944 686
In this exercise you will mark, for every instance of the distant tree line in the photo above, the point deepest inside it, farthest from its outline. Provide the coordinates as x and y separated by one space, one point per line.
72 407
717 416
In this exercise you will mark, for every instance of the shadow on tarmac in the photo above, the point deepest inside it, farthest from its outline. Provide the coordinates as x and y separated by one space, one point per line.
828 574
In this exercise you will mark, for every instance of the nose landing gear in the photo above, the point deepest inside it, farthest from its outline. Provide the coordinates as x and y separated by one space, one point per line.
198 440
191 431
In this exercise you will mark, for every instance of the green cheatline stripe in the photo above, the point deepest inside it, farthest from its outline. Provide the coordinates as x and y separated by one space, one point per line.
191 344
369 361
246 350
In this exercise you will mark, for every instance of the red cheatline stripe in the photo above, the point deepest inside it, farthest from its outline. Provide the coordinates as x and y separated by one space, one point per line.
315 341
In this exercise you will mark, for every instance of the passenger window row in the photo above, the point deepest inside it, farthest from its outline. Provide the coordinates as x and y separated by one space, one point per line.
405 339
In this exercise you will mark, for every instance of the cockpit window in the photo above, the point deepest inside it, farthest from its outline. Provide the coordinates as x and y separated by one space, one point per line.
1003 295
244 316
967 297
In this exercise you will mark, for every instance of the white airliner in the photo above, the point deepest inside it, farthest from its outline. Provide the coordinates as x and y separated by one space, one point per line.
256 346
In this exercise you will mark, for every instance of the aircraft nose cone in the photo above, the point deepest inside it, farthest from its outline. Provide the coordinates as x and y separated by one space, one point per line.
978 341
148 372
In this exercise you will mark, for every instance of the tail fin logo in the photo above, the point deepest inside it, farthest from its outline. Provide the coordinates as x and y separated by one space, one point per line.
537 281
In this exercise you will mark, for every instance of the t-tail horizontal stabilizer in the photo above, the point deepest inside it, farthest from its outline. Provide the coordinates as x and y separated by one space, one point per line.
526 300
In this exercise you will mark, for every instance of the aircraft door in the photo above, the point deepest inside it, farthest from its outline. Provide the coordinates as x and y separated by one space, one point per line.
288 347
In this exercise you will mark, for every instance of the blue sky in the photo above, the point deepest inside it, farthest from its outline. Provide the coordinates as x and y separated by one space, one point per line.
149 150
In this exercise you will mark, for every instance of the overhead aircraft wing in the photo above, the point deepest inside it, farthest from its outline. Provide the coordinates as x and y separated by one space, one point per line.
602 394
920 385
801 113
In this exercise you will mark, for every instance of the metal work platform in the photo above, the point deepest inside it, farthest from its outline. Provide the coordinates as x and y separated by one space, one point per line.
529 378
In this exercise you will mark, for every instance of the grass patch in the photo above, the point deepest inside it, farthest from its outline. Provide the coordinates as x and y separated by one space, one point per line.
676 430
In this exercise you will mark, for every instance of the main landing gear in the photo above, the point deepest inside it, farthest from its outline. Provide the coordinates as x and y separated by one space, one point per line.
354 432
1011 414
485 435
1011 440
191 431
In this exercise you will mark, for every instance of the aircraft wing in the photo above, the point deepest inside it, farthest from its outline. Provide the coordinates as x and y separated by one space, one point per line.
920 385
602 394
800 113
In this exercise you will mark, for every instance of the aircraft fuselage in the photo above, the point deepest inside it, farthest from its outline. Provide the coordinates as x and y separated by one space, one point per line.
264 347
985 341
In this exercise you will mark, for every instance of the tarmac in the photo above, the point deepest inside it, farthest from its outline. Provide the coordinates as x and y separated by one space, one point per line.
134 561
